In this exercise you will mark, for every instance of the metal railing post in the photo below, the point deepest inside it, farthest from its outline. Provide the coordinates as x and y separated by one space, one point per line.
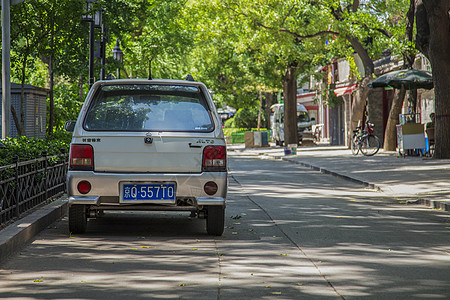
44 154
17 188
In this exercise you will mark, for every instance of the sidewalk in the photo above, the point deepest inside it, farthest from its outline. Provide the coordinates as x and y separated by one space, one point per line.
416 179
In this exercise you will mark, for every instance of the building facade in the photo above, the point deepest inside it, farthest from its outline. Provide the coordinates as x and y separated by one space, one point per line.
35 110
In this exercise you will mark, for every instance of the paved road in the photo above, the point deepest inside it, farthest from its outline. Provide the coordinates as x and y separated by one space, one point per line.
292 233
365 243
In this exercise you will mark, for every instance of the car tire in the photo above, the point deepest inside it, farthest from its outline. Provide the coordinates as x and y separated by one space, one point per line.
215 220
77 219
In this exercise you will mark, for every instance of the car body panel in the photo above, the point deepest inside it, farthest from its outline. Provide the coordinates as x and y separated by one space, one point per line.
166 153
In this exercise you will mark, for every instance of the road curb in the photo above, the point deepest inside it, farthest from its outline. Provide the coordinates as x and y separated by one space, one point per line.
19 233
443 205
326 171
436 204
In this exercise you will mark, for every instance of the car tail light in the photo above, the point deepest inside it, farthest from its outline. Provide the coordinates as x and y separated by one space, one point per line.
84 187
215 159
81 157
210 188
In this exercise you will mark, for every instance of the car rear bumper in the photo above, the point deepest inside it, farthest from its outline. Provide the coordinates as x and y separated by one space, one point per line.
105 187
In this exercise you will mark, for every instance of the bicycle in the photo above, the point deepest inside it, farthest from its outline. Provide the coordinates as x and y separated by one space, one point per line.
317 129
365 141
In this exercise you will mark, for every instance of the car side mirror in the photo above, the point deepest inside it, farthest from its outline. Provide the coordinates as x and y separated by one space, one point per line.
70 126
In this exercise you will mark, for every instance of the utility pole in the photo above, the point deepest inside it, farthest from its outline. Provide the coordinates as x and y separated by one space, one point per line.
6 66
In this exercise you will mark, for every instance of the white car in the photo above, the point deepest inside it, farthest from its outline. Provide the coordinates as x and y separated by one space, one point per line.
153 145
304 122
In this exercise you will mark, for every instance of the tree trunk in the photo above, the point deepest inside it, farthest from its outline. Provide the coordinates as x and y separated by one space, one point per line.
390 135
16 120
290 106
80 88
267 111
359 103
51 85
259 110
20 122
435 43
21 132
50 96
363 91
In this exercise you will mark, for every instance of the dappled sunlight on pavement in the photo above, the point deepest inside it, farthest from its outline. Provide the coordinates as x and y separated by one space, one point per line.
365 243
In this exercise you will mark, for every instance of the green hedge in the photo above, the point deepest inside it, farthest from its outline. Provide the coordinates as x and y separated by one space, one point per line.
238 134
26 148
230 131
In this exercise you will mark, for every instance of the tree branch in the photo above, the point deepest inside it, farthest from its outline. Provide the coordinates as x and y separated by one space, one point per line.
299 36
355 5
289 13
384 31
308 35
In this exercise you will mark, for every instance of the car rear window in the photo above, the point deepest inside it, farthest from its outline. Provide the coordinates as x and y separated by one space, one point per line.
148 107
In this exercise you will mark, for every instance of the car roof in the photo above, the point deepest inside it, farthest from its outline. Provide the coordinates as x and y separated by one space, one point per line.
146 81
278 106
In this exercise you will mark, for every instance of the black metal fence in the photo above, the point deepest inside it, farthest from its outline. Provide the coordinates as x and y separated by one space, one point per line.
24 185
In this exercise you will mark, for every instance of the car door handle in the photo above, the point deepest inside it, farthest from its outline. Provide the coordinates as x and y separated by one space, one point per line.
194 145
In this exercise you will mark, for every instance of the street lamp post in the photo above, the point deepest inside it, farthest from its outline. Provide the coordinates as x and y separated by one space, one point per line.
103 42
150 63
98 23
90 18
118 55
95 21
91 53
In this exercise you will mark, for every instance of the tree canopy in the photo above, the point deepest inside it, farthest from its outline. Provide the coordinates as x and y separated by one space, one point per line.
238 48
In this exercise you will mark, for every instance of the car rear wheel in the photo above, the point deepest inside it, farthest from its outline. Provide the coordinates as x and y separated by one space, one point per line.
77 219
215 220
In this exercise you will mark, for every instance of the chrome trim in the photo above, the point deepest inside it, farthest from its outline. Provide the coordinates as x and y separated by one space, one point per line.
211 201
90 200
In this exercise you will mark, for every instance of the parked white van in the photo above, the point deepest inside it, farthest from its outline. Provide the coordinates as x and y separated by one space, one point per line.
154 145
303 122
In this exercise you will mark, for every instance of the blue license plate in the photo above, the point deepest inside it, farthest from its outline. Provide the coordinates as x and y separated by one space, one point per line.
148 191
